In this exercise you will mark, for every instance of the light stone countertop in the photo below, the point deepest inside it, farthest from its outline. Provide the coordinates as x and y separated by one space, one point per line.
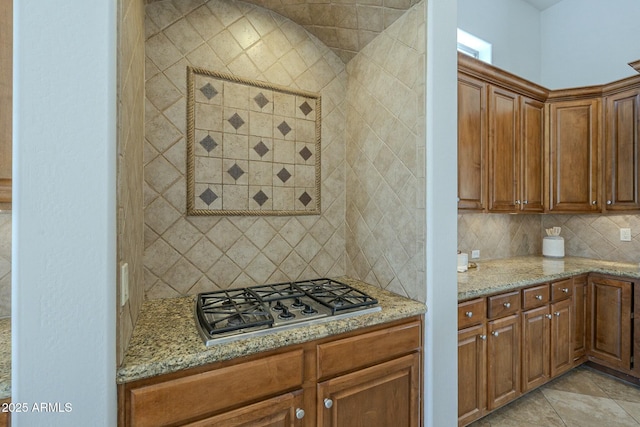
501 275
165 338
5 358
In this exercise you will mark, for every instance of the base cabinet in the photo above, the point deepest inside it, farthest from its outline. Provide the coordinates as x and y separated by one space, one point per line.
610 322
472 373
536 340
561 337
383 395
579 314
374 374
503 367
4 416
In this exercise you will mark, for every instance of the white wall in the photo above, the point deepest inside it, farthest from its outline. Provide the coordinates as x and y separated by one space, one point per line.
63 256
441 356
589 42
513 29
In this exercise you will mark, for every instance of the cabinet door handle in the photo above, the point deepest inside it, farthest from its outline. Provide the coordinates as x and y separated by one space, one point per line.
539 297
525 202
482 337
517 202
565 290
299 413
328 403
594 202
548 316
507 304
557 314
609 202
495 333
469 314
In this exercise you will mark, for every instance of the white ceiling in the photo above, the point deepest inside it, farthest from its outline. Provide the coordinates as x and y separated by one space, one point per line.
542 4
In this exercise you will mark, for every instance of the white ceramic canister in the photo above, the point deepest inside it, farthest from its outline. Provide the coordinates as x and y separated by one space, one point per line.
553 246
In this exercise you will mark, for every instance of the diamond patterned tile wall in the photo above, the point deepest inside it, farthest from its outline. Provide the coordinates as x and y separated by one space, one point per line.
185 255
500 236
5 264
385 159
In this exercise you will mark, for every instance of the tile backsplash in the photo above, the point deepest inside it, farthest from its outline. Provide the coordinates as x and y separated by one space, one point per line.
188 254
589 235
5 264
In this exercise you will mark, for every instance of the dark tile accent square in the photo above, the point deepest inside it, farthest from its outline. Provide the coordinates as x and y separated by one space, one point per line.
261 149
284 175
261 100
208 196
305 108
235 171
305 153
208 143
260 198
284 128
236 121
209 91
305 198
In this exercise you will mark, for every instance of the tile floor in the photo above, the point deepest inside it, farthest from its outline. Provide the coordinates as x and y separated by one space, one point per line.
582 397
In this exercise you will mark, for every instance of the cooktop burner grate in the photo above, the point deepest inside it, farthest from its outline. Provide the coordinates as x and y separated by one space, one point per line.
225 315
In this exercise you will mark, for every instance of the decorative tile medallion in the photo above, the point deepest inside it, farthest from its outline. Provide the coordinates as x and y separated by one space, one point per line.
253 148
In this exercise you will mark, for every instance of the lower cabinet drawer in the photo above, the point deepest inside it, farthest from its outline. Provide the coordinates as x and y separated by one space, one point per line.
472 313
364 350
503 305
561 290
187 398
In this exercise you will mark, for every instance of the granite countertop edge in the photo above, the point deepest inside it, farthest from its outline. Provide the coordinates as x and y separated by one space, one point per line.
149 355
519 272
5 358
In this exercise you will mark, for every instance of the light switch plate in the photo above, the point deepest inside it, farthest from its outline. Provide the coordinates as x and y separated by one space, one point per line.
124 283
625 234
475 254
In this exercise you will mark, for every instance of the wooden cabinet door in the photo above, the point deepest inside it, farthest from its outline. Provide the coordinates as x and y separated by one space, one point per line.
531 155
573 156
621 163
504 155
610 326
383 395
472 149
503 361
561 337
535 347
281 411
472 374
4 416
579 314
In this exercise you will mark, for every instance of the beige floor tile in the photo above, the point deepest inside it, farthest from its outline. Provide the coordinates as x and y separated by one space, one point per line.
578 410
579 380
615 388
632 408
532 408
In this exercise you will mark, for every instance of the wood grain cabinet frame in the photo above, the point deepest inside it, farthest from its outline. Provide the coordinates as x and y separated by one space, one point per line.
6 65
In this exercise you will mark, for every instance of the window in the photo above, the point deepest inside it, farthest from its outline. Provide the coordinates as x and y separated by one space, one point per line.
474 46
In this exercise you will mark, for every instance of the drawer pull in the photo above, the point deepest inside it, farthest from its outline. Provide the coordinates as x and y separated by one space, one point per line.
328 403
507 304
557 314
539 297
548 316
565 290
469 314
495 333
482 337
299 413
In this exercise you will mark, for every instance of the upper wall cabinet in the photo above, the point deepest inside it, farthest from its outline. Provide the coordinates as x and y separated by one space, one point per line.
523 148
621 139
573 155
472 143
6 37
516 148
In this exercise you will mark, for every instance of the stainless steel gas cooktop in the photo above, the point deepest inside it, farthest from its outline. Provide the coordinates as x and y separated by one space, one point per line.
228 315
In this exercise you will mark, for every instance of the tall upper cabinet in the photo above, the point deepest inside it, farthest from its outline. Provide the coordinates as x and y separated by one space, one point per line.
523 148
621 139
573 155
6 40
